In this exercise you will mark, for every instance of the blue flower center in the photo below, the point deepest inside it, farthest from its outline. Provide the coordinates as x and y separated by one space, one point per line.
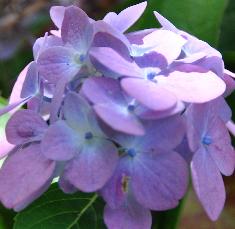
151 75
207 140
131 152
131 107
88 135
82 58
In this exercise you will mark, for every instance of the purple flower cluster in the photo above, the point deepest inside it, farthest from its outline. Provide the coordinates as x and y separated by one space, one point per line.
121 114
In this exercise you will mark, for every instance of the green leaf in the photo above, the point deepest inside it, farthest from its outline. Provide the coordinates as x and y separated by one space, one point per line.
201 18
56 210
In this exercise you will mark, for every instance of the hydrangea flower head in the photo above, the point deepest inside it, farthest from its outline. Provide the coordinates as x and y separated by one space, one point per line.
126 115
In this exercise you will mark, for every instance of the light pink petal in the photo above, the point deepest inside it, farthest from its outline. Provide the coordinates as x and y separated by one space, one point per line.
193 87
163 42
149 94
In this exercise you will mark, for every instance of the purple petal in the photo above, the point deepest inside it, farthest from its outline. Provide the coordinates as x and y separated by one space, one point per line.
57 15
105 58
58 62
75 28
103 90
149 94
208 183
159 179
94 165
193 87
14 106
116 190
110 105
66 186
165 133
30 86
25 126
119 119
24 176
131 216
126 18
60 142
57 99
221 149
106 36
79 115
44 43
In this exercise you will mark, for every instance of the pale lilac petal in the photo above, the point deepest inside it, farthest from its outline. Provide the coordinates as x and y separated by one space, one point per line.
57 15
221 149
119 119
58 62
105 58
147 114
149 94
25 126
126 18
44 43
137 36
131 216
30 86
159 179
75 28
231 74
163 42
60 142
165 23
25 173
94 165
193 87
231 127
208 183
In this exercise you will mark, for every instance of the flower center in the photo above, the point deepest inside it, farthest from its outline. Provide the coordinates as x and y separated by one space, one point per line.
151 75
88 135
79 58
131 107
207 140
131 152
